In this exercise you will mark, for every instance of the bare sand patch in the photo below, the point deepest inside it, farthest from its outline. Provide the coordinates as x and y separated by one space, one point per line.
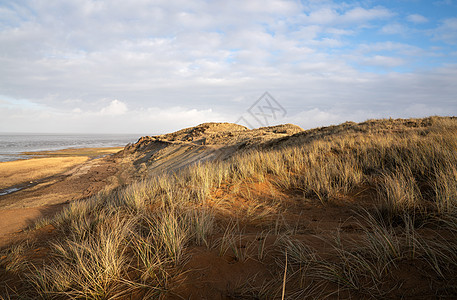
22 171
16 220
48 164
44 184
89 152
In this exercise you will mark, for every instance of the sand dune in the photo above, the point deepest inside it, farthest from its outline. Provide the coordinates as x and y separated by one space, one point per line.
218 211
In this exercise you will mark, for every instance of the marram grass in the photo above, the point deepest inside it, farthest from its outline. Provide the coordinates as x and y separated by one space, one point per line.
134 240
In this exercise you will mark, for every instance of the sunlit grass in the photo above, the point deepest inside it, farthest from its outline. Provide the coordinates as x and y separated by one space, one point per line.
136 239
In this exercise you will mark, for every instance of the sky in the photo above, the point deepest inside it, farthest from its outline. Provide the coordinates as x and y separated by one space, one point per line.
155 66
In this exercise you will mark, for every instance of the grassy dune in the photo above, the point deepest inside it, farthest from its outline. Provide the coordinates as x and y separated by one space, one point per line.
351 211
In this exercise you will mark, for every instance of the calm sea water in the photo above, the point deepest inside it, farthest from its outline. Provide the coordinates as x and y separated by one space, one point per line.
12 145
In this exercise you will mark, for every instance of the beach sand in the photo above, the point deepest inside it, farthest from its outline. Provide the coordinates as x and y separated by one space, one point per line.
44 184
46 163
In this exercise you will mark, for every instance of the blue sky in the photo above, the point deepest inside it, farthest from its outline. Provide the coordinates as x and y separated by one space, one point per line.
157 66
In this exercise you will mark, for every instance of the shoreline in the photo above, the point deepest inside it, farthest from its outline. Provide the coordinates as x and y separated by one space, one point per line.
18 174
92 152
17 146
45 183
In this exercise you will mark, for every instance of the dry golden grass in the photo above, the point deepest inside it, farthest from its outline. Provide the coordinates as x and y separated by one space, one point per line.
137 240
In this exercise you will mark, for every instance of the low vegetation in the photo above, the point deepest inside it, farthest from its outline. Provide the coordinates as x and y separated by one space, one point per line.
363 210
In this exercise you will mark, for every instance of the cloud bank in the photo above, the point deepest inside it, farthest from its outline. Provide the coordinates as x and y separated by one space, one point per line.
155 66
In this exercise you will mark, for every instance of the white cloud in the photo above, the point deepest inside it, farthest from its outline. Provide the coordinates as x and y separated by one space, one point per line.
327 42
183 62
401 48
318 117
307 98
389 55
394 28
338 31
323 16
356 15
383 61
360 14
423 110
115 108
416 18
150 120
447 31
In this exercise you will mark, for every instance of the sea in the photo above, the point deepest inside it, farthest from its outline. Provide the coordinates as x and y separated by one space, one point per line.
13 145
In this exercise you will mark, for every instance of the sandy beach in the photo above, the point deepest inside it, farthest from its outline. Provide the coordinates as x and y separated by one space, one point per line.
42 185
46 163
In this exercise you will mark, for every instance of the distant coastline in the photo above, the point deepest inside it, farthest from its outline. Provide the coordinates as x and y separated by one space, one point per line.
13 146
